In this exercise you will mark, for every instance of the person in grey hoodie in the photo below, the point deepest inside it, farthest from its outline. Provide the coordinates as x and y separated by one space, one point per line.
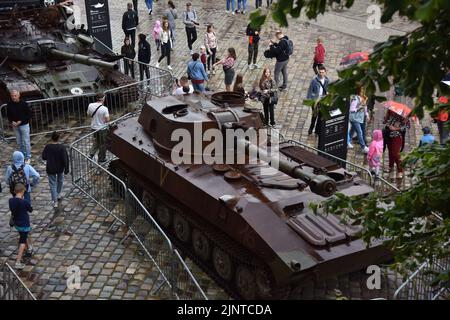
190 21
171 14
19 166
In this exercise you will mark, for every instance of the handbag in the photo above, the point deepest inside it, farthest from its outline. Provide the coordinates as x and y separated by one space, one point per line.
273 97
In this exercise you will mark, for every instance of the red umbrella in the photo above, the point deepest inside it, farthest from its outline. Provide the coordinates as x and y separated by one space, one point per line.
398 108
354 58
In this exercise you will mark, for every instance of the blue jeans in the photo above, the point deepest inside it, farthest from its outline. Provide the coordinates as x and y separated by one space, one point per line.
242 5
233 5
199 87
149 4
358 127
27 197
23 139
55 182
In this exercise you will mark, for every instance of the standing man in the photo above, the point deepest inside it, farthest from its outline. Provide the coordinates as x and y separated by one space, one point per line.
317 89
253 43
99 118
281 52
57 166
144 56
190 21
129 22
19 115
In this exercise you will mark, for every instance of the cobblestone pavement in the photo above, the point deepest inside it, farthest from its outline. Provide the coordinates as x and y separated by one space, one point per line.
77 233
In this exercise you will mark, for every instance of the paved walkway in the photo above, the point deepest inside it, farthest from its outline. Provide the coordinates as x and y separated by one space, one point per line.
76 234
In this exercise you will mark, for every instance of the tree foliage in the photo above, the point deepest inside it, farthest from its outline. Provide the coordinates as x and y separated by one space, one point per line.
416 221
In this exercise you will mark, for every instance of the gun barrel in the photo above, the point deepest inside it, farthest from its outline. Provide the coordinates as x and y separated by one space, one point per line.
83 59
319 184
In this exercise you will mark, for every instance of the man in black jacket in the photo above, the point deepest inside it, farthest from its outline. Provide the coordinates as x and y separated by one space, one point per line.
253 43
57 166
129 22
280 51
19 115
144 56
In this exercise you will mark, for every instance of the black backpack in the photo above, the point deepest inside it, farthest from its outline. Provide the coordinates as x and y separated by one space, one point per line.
17 176
290 47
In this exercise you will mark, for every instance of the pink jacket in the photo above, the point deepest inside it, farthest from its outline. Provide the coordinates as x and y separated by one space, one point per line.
156 30
375 149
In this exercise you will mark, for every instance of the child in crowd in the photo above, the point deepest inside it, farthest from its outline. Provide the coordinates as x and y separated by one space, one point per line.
20 219
156 34
375 152
203 56
427 137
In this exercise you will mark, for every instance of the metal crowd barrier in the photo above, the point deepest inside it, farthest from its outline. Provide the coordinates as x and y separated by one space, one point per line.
12 287
113 195
69 113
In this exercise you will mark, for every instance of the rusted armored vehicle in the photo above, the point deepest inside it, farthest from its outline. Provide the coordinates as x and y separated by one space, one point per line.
246 223
43 54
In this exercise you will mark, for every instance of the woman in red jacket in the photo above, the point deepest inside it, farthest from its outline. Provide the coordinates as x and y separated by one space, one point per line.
319 55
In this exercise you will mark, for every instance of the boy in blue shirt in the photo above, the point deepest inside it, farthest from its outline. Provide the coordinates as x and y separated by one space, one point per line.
20 209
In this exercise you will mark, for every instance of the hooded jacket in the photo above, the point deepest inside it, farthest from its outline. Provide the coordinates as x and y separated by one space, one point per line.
144 53
375 149
157 30
31 174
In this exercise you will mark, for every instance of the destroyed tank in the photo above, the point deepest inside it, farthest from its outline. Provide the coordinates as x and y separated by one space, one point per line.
44 55
248 225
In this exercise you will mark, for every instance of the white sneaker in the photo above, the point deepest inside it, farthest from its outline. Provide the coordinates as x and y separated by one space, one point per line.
227 11
256 66
350 146
169 67
251 67
19 265
192 52
55 204
157 65
232 13
365 150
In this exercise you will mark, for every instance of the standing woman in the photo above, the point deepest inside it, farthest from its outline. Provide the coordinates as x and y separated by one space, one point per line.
171 14
211 46
128 51
166 43
228 67
396 127
267 84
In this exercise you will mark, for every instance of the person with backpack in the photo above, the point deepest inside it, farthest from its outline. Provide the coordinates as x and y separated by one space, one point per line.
20 172
19 116
281 50
190 21
20 220
57 166
130 21
99 115
171 14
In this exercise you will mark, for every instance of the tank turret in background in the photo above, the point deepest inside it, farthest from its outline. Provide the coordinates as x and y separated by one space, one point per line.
41 57
248 224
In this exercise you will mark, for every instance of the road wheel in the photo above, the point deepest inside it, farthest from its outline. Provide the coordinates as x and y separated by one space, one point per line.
223 264
201 244
182 228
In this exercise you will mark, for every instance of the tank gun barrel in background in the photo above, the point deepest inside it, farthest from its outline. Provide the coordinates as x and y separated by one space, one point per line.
319 184
82 59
